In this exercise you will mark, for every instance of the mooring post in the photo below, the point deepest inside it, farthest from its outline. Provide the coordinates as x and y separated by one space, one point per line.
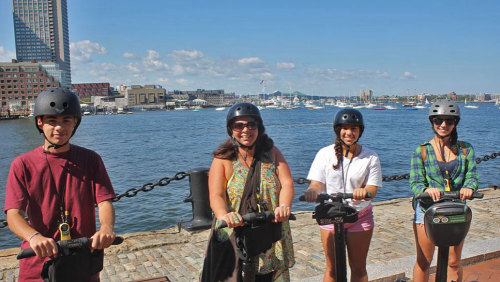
202 213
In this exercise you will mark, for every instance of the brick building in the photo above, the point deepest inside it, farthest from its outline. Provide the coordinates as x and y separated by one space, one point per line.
87 90
21 82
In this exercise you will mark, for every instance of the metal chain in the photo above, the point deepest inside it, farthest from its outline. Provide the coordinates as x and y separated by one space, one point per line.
301 180
132 192
150 186
487 157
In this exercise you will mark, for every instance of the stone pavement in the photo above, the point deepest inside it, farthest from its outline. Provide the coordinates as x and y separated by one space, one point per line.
178 255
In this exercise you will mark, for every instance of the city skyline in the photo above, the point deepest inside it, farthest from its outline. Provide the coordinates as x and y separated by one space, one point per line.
41 34
320 48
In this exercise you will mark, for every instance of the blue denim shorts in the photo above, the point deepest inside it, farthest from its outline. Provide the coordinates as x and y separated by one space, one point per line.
419 214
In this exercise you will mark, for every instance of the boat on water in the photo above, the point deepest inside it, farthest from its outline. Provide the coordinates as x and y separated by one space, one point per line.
379 108
469 106
420 106
390 107
220 108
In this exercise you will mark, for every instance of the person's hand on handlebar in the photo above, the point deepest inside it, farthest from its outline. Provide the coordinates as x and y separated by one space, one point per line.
281 213
102 238
233 219
434 193
43 246
311 194
359 194
466 193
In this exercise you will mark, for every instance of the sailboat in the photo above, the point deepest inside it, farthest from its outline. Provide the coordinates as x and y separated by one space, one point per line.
470 106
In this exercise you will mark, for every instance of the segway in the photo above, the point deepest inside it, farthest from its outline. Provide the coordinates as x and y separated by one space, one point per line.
336 212
245 249
70 267
446 224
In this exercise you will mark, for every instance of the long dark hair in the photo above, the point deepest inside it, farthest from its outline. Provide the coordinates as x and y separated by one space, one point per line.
228 150
338 152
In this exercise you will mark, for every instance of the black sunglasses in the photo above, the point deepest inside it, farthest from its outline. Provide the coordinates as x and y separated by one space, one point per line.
439 121
238 126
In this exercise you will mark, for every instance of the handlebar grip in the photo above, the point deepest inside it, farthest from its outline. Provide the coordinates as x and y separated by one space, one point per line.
25 253
249 217
71 244
323 197
449 194
477 195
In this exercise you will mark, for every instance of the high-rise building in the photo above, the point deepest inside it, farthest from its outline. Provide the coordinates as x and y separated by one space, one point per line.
41 32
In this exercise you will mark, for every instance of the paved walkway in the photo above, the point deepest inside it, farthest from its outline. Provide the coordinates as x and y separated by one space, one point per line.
178 255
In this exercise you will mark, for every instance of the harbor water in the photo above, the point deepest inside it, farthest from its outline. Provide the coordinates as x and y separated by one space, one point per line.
147 146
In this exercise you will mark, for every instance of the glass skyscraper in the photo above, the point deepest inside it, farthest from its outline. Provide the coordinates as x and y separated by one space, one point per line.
41 32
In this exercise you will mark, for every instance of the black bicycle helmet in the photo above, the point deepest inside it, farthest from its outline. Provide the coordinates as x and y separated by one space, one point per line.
444 108
58 101
243 109
348 116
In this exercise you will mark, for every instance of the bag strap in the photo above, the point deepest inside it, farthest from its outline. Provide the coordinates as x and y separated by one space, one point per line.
423 152
249 201
464 149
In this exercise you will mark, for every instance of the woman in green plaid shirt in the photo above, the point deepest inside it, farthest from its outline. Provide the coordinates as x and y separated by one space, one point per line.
442 164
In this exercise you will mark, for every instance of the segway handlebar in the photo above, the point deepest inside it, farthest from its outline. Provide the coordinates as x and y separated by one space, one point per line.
70 244
334 196
255 217
449 195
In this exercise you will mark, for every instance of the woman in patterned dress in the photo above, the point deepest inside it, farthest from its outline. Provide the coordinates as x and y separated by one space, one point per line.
227 177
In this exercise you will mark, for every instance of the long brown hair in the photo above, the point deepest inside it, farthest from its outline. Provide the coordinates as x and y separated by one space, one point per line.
338 152
228 150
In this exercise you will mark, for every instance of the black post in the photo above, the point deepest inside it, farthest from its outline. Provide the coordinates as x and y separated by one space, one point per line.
442 263
340 256
202 213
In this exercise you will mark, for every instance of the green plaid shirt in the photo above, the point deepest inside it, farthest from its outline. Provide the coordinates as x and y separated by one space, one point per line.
426 174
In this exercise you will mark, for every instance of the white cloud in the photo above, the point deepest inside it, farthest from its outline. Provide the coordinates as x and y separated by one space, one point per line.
182 81
407 76
82 51
334 74
128 55
250 61
6 56
285 65
152 62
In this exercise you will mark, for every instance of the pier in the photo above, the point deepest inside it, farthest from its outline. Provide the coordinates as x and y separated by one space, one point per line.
178 254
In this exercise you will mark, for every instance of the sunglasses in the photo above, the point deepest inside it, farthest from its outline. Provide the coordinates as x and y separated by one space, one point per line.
439 121
238 126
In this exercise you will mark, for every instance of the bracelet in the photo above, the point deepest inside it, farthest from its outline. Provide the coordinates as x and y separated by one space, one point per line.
283 205
37 233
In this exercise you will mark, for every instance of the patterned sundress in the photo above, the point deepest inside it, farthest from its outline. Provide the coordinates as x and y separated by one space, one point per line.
280 256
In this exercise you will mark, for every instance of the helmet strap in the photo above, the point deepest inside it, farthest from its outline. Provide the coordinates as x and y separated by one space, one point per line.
52 145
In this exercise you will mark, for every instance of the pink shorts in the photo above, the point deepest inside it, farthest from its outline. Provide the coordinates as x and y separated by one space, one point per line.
364 223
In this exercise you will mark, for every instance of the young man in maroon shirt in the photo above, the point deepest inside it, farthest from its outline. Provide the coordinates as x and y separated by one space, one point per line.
58 184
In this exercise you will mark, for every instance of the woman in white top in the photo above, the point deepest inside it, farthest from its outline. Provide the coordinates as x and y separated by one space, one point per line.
347 167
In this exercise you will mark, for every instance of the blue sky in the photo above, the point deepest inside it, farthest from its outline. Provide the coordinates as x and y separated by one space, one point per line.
331 48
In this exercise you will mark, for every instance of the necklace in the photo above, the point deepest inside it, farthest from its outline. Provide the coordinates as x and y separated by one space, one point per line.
244 158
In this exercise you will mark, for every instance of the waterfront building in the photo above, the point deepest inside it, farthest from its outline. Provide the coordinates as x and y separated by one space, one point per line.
21 82
87 90
366 95
146 96
41 33
215 98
